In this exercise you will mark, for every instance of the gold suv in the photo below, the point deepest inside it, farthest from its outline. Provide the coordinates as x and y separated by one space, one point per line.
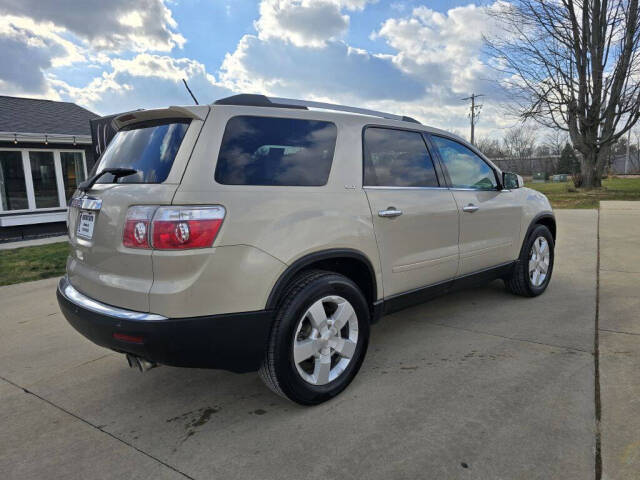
268 234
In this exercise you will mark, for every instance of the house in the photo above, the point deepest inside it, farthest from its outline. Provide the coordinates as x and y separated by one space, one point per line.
45 152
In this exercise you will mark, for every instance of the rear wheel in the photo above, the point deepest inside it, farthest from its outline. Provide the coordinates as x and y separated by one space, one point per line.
319 338
532 273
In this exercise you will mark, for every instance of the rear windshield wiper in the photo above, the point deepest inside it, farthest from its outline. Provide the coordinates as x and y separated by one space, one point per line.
116 172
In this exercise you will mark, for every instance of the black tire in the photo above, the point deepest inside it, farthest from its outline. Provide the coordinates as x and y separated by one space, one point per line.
278 369
519 283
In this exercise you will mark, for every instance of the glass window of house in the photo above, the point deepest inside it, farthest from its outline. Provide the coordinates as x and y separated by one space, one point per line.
43 173
72 172
13 190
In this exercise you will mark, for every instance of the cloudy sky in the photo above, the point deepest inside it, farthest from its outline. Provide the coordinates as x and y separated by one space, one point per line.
416 58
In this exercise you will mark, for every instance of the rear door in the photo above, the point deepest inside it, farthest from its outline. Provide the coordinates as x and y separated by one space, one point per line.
157 144
415 217
490 217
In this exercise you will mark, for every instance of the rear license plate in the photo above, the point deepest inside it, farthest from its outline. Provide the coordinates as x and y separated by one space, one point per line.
85 224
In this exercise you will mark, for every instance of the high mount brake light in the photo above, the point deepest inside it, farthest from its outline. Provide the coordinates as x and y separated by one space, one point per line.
172 228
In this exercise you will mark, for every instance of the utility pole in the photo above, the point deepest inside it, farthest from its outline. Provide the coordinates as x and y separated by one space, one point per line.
474 113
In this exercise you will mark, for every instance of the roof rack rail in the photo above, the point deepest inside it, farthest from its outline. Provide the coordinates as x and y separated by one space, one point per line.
264 101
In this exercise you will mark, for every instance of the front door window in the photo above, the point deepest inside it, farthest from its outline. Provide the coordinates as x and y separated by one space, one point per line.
466 169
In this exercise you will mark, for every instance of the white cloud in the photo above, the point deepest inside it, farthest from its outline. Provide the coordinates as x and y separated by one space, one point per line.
37 38
442 49
28 48
145 81
115 25
305 22
335 71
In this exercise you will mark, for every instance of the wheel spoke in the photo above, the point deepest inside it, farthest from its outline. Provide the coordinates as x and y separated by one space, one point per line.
532 266
321 369
536 245
345 347
342 315
304 349
317 316
534 277
544 265
543 246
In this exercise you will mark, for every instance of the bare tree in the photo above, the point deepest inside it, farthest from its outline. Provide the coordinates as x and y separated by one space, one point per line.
555 141
489 146
573 65
519 142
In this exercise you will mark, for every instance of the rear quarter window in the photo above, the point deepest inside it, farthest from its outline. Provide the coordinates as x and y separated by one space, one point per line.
276 151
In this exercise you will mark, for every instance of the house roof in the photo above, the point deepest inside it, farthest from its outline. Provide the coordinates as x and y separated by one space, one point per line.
30 115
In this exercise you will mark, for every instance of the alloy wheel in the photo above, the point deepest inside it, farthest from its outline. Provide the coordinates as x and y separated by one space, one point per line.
539 258
325 340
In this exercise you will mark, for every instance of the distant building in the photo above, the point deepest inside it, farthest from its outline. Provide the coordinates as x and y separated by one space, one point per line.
45 151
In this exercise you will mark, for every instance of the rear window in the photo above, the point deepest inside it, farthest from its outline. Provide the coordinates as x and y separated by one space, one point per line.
276 151
149 148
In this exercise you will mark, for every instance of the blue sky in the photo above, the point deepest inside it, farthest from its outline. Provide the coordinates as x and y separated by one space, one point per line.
413 57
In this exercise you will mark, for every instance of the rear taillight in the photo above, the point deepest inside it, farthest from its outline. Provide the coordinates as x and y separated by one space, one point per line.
137 226
172 228
178 228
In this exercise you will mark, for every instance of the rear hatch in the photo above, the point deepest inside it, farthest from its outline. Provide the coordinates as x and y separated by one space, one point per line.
156 144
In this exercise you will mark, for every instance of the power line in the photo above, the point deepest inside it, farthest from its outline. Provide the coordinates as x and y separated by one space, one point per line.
474 112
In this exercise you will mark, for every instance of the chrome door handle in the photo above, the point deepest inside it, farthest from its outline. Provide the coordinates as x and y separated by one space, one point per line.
390 212
470 208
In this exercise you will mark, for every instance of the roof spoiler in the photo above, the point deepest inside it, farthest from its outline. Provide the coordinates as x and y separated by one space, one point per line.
196 112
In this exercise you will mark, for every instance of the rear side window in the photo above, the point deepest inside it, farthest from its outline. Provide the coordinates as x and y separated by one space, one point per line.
149 148
397 158
276 151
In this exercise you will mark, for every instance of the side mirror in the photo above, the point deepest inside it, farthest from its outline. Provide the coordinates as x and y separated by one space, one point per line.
511 180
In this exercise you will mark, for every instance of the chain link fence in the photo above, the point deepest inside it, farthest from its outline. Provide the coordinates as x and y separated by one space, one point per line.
548 165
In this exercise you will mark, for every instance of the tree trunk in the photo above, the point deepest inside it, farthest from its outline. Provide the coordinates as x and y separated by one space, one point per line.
591 169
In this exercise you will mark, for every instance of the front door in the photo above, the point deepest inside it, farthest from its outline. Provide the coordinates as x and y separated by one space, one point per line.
415 218
489 217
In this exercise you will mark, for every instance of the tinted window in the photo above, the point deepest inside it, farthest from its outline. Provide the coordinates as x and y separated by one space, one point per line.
465 168
397 158
276 151
149 148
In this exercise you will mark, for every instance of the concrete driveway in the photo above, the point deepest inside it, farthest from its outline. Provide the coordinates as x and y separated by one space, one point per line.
479 384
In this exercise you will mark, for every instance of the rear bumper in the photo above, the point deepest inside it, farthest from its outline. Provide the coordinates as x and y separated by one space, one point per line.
235 342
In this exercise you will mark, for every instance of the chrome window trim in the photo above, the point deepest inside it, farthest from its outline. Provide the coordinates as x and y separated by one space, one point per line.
74 296
383 187
462 189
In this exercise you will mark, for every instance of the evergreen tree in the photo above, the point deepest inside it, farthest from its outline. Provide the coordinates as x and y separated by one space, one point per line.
569 162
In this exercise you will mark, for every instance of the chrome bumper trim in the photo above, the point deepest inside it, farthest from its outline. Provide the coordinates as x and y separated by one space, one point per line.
77 298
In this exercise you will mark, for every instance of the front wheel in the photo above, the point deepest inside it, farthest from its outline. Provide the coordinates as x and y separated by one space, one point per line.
532 273
319 338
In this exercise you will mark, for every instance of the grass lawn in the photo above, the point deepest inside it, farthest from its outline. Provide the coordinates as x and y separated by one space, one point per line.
564 194
33 263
